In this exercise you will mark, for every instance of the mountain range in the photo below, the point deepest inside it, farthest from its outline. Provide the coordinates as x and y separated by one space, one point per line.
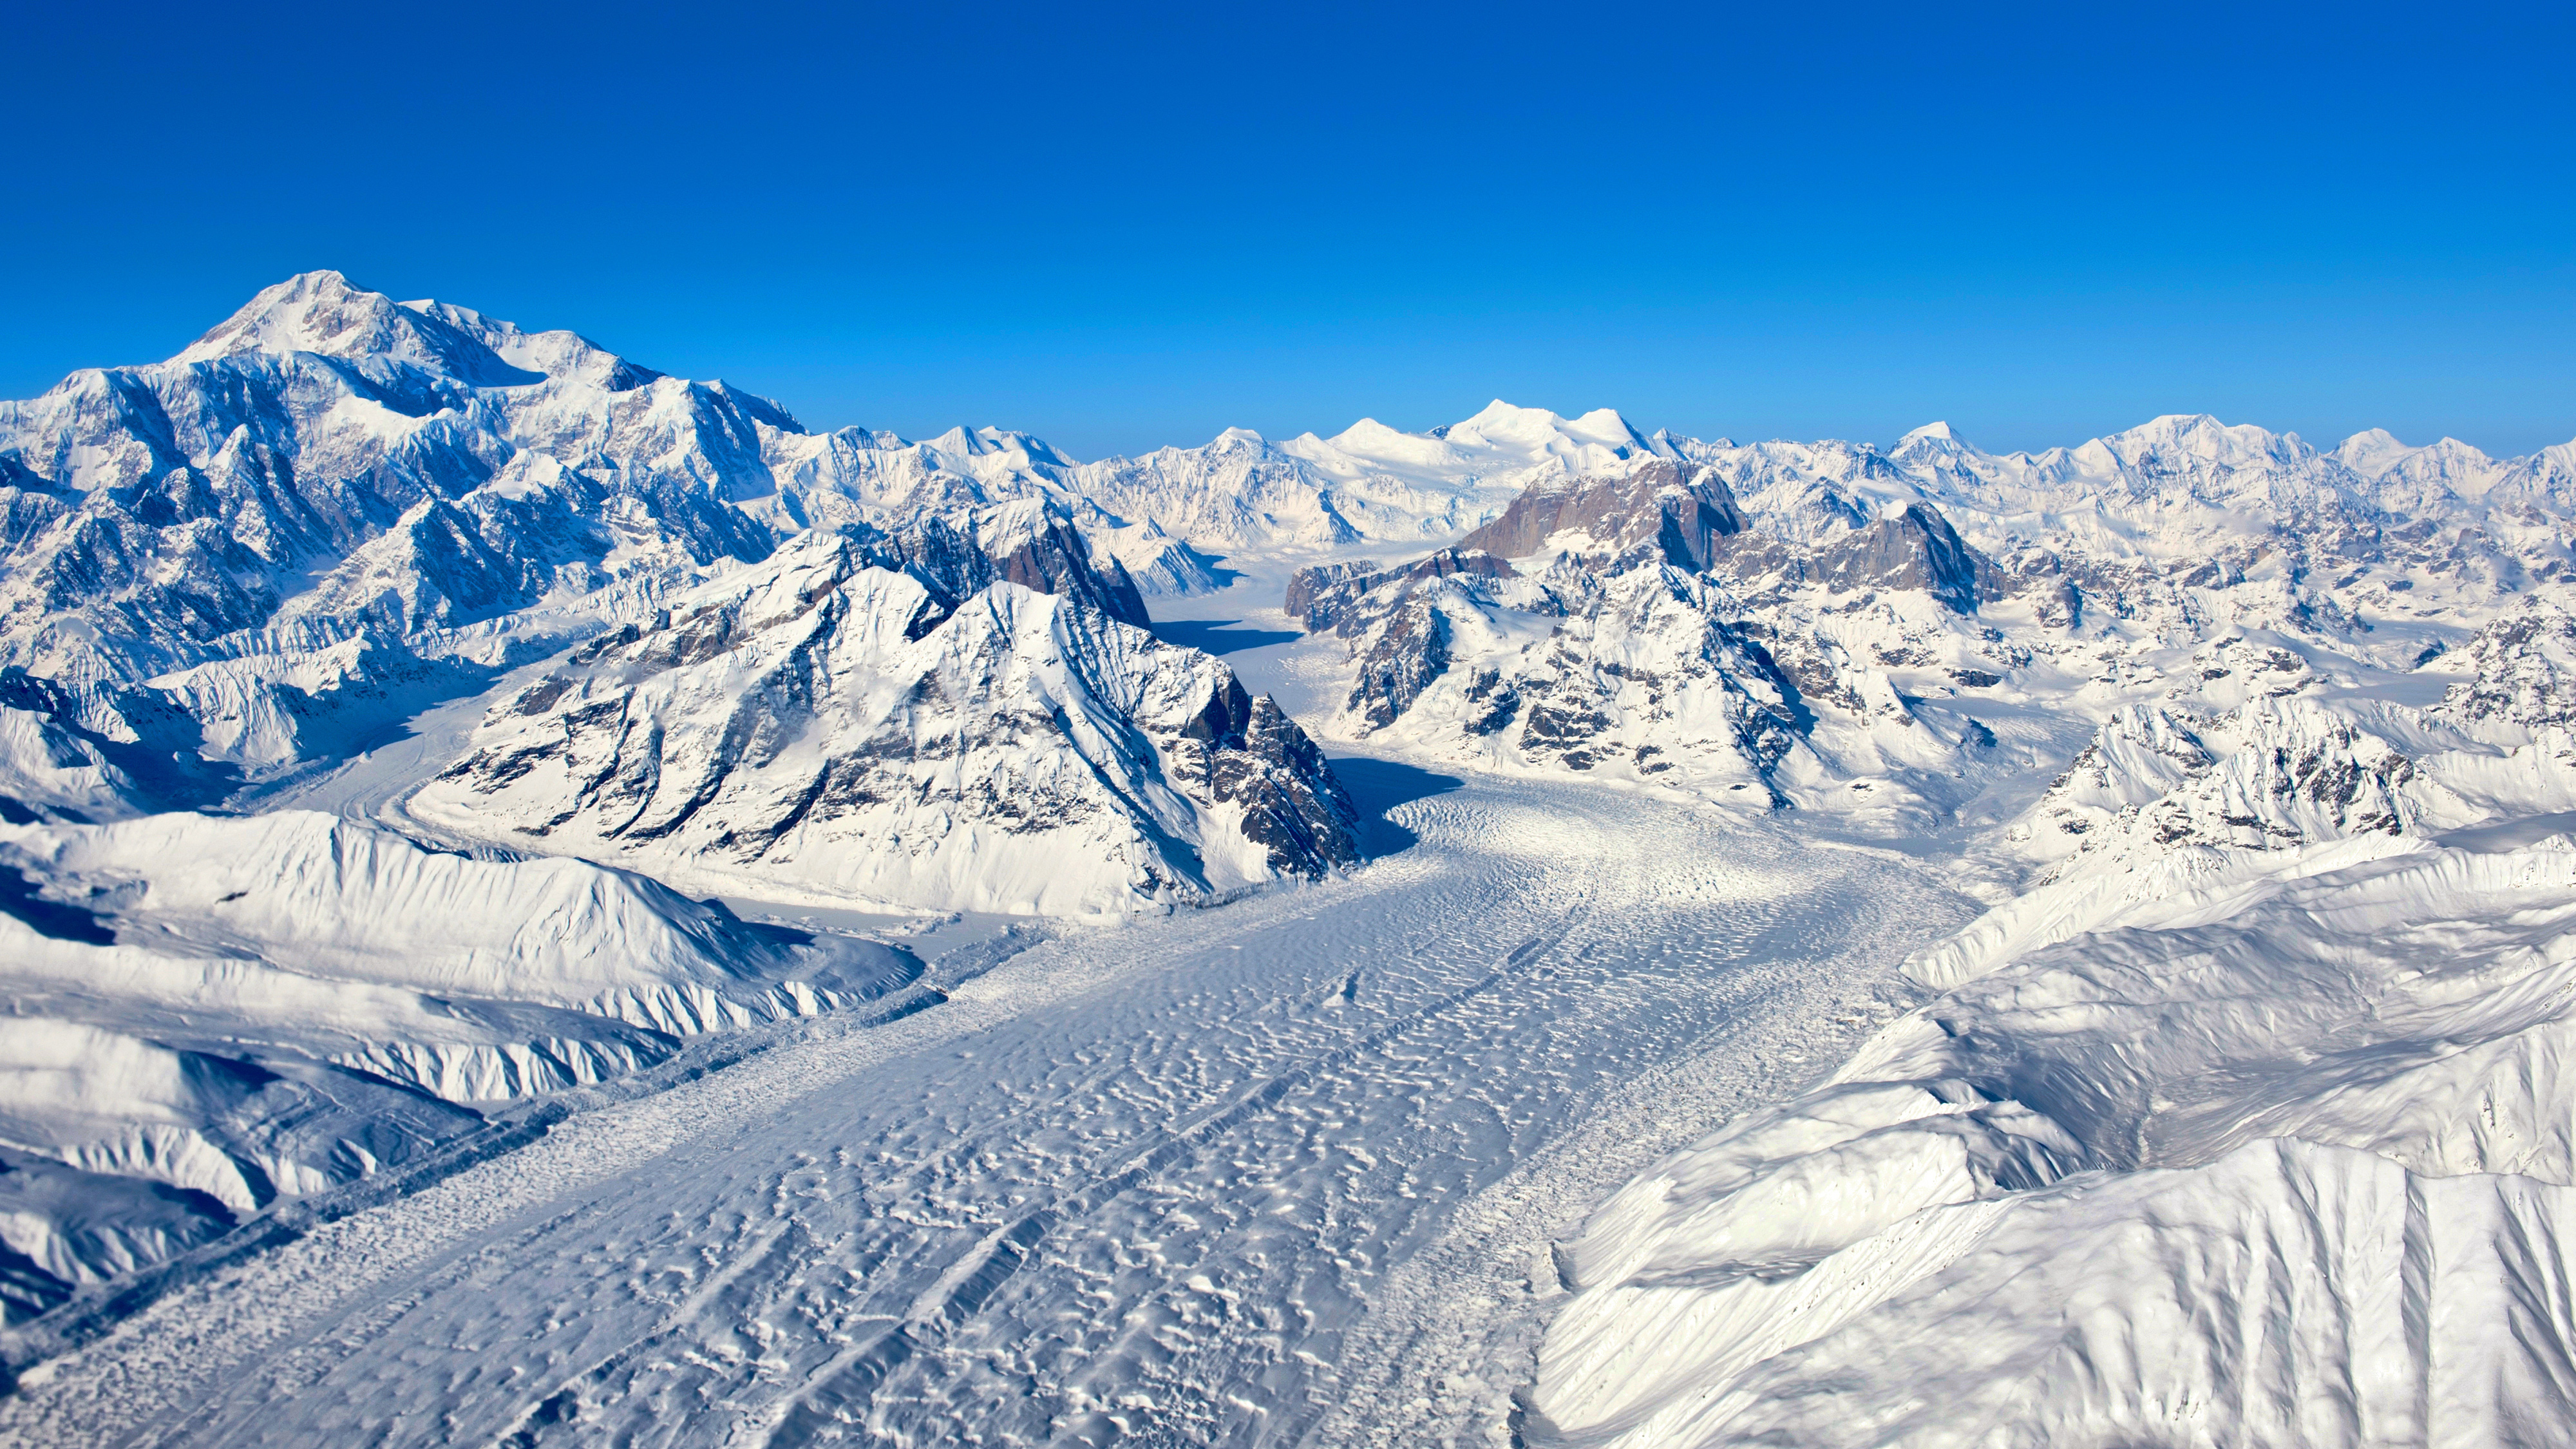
392 700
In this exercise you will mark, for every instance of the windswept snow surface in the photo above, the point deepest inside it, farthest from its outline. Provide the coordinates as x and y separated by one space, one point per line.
1139 1181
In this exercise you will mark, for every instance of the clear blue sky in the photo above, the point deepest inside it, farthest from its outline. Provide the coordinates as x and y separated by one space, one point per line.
1124 226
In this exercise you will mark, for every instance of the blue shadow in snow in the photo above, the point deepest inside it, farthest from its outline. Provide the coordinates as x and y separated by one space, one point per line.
1218 636
1378 786
47 918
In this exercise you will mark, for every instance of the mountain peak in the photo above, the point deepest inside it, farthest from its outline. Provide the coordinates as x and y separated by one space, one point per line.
557 354
2202 436
1368 433
323 313
1608 427
1499 422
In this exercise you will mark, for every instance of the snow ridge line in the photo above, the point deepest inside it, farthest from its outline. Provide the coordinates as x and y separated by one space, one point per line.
84 1320
971 1282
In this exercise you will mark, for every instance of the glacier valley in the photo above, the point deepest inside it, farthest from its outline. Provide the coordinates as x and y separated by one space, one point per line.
546 902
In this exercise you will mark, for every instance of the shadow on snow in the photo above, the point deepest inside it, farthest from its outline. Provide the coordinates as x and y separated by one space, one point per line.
1218 636
1378 786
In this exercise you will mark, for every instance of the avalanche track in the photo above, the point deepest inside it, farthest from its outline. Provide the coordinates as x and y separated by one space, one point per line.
1282 1172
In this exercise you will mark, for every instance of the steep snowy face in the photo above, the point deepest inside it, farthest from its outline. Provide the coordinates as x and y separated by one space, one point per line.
321 314
338 900
842 731
49 767
567 356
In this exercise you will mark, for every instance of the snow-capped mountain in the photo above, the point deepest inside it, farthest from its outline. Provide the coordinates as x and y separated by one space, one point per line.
1902 609
456 494
335 513
842 731
1368 483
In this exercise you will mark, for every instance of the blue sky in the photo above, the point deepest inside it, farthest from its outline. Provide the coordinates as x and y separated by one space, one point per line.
1121 228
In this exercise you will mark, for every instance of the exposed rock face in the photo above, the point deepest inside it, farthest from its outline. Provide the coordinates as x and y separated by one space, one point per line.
2276 774
1051 558
1321 595
836 728
1253 756
1916 549
1404 648
1681 511
2524 670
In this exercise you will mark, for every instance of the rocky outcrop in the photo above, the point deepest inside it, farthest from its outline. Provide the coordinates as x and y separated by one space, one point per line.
1040 550
1914 548
1405 648
1681 512
1252 756
2522 670
1323 595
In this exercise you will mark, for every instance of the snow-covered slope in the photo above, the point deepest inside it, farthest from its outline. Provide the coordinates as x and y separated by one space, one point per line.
209 1012
1370 483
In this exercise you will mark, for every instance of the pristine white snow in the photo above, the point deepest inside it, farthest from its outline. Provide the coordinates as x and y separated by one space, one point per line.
258 1007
